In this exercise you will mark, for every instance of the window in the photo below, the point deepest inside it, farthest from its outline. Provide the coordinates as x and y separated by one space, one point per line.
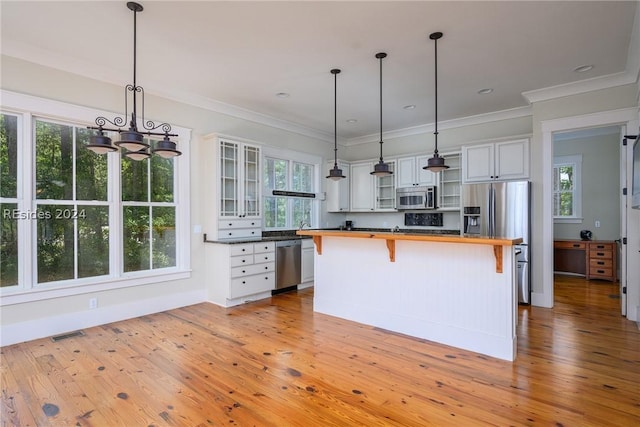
149 213
288 212
567 203
71 219
8 200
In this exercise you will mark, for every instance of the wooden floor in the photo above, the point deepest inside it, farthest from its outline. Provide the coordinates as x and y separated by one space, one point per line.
276 363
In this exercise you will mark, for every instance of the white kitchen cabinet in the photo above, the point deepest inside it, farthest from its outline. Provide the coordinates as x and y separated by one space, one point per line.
240 272
338 191
362 187
370 193
308 254
449 183
496 161
411 174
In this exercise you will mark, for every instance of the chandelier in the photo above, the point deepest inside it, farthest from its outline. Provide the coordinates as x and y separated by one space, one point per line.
132 139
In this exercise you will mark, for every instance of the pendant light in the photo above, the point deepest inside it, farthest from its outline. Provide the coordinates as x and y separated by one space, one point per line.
436 163
335 173
132 139
381 168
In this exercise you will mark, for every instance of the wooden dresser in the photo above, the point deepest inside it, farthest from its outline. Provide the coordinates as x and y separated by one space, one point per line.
595 259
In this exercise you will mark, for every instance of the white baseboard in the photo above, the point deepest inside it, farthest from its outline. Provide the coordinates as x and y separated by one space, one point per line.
39 328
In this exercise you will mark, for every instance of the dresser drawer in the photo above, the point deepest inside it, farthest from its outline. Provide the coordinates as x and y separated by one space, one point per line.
600 263
252 285
226 224
252 269
240 260
600 246
244 249
564 244
605 273
604 254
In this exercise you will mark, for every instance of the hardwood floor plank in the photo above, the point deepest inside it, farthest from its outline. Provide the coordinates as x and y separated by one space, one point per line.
277 363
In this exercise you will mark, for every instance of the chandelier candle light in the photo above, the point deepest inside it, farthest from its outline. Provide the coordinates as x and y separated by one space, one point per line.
335 173
436 163
132 139
381 168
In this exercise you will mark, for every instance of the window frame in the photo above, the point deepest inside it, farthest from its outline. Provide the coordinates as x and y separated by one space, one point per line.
575 161
292 157
28 108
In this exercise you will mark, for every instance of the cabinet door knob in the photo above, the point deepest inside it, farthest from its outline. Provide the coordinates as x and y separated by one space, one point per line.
243 282
243 271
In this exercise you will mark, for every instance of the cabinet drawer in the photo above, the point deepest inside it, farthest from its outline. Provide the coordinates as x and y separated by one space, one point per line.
563 244
244 249
239 233
225 224
249 270
264 257
600 246
600 254
262 247
238 261
252 285
600 263
600 272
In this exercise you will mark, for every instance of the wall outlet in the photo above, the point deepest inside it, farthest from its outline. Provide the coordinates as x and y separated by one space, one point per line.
597 224
93 303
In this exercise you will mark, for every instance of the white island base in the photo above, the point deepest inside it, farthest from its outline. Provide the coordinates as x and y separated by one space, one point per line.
450 293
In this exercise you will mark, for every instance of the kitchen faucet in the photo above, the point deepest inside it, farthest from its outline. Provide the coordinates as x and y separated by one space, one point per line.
302 224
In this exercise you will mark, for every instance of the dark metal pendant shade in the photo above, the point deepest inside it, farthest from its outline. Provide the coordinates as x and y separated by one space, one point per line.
166 148
335 173
381 168
101 144
132 139
436 163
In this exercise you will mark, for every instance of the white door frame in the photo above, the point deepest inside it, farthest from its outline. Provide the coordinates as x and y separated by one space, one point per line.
627 117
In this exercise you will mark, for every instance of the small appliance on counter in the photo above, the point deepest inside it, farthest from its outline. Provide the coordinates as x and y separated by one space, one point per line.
348 225
585 234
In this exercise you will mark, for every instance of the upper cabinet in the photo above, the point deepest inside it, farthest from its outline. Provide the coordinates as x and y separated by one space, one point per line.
496 161
338 191
411 174
239 180
371 193
449 188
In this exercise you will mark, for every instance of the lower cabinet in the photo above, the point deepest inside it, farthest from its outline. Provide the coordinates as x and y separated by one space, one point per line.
308 259
237 273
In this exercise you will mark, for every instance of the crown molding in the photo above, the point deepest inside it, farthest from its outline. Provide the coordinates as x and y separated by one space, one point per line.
495 116
582 86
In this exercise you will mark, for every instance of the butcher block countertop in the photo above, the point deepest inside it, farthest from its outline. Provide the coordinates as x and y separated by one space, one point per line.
391 237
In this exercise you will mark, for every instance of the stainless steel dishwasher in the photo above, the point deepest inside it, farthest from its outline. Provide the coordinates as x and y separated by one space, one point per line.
288 263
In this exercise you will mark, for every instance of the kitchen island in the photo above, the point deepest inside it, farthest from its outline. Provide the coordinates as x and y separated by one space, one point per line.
458 291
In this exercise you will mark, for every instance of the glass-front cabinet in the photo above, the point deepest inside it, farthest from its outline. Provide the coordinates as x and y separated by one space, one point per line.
239 180
386 190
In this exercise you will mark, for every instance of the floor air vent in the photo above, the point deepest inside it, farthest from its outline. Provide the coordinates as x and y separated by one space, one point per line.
61 337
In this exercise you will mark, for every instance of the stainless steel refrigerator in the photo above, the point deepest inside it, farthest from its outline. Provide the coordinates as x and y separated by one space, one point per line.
501 209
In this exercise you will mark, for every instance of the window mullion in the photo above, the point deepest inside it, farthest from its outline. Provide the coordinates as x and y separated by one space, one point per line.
114 196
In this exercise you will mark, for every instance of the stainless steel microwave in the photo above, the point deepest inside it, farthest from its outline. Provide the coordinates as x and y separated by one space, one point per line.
416 198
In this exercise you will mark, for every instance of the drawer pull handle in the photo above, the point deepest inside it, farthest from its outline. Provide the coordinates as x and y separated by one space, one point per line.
230 224
243 271
243 250
244 260
576 245
601 271
600 246
243 282
600 253
600 262
229 233
266 268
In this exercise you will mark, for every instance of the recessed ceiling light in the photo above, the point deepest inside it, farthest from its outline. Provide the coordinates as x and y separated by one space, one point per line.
282 95
409 107
351 121
485 91
583 68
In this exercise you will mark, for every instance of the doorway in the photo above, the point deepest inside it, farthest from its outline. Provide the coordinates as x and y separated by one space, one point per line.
626 119
587 204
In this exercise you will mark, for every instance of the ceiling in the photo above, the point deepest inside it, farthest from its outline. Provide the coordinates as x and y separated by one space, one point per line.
234 57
